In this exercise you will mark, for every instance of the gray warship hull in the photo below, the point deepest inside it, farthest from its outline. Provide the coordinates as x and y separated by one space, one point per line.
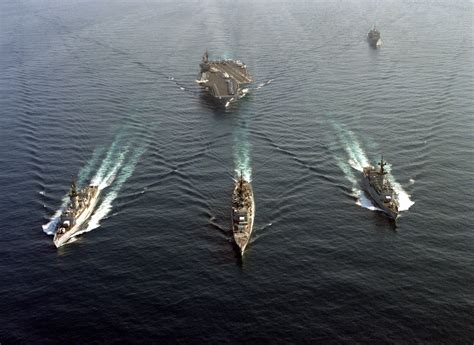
62 239
374 43
242 237
377 199
373 37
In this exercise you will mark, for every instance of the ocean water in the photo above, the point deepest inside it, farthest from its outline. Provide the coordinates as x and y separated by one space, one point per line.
104 91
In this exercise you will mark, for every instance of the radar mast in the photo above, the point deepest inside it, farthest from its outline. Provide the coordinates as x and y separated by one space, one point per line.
382 165
73 192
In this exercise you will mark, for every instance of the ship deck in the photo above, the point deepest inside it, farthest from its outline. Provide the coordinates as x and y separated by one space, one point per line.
235 71
225 77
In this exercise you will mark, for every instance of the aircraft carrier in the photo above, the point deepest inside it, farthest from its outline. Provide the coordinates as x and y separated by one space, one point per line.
243 212
224 80
380 190
79 208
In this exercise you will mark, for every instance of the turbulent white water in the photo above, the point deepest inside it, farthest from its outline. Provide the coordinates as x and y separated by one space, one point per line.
50 227
244 93
260 85
111 157
116 167
86 170
404 201
84 173
111 194
355 160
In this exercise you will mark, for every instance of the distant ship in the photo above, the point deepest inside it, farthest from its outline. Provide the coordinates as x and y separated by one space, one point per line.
380 190
78 210
374 37
223 79
243 212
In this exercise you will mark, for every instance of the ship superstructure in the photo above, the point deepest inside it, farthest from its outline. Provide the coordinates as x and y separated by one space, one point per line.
224 79
378 186
243 212
79 208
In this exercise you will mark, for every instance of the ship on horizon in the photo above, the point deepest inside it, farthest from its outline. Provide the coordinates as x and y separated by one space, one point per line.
224 79
380 189
243 212
80 207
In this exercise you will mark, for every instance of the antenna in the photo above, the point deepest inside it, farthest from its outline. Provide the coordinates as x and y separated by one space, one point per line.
73 192
382 164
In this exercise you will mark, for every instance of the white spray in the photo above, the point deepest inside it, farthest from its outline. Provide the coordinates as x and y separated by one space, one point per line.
357 159
110 195
107 172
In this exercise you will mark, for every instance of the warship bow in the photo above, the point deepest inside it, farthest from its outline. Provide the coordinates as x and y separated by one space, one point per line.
78 210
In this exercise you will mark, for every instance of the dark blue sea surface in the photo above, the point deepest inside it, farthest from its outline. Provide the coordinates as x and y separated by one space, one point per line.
104 91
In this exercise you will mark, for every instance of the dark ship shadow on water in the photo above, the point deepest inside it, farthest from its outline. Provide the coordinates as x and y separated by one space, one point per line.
230 239
209 103
239 258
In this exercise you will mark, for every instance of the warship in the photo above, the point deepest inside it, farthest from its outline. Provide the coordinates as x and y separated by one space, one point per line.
79 208
374 37
243 212
380 190
223 79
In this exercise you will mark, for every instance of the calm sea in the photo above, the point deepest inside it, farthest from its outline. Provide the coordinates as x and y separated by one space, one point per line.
104 91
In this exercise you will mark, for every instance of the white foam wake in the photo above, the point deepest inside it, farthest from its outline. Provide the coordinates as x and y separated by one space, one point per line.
110 195
359 195
357 159
103 178
50 227
109 176
242 152
404 201
244 93
111 157
260 85
86 170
